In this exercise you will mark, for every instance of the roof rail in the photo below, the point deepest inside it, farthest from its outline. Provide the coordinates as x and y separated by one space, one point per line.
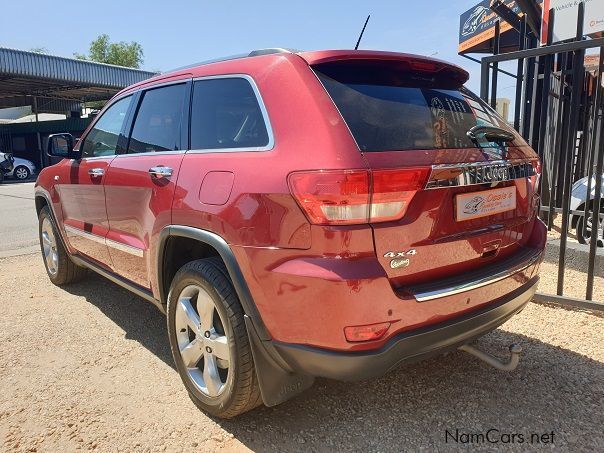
270 51
253 53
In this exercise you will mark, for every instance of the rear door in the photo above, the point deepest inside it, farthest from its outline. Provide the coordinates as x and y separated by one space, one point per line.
81 187
478 202
140 183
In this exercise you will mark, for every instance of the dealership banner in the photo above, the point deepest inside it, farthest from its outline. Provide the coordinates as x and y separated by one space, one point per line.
477 28
565 22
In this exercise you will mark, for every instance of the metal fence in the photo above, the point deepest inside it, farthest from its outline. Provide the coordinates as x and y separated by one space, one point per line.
559 111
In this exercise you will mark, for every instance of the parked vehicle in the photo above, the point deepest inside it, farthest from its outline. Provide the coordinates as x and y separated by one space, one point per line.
6 164
22 169
578 200
298 215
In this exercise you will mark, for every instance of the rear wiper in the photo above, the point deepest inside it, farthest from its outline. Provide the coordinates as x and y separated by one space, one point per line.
491 133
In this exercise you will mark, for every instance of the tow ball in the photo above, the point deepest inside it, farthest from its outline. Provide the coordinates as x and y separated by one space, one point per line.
510 365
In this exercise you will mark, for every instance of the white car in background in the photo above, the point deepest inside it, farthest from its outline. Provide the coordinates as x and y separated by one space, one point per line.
577 203
22 169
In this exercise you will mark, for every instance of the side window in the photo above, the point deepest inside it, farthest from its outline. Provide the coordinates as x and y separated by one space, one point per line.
158 120
102 138
225 114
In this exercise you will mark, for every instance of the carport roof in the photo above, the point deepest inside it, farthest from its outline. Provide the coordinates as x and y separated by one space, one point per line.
59 80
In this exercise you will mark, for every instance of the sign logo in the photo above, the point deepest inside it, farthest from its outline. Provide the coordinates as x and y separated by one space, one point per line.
474 205
473 22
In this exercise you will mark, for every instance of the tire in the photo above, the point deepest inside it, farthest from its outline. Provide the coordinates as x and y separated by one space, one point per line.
580 237
21 173
59 267
222 387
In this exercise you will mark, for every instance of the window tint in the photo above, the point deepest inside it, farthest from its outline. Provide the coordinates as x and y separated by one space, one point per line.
226 114
158 120
396 111
102 138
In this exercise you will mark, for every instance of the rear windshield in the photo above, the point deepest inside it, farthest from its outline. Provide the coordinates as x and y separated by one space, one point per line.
388 110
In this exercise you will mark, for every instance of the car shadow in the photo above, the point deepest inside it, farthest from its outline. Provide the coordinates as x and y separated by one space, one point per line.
411 408
140 320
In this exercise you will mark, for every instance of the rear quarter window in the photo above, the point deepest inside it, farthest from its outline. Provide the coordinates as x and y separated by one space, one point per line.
226 114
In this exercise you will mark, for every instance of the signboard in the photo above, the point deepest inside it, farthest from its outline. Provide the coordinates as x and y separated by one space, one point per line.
477 28
565 22
481 204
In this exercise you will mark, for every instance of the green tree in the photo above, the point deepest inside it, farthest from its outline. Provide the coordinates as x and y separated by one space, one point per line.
120 53
39 50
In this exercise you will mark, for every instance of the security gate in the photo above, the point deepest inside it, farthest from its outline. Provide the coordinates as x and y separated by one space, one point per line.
559 111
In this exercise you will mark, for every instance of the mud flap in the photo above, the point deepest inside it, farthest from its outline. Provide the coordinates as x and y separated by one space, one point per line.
277 382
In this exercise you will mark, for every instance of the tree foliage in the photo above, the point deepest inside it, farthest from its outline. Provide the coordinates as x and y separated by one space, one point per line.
121 53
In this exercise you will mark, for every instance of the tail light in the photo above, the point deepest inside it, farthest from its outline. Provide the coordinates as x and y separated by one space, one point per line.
348 197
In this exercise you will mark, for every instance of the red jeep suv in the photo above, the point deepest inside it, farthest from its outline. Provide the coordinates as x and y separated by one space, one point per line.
300 214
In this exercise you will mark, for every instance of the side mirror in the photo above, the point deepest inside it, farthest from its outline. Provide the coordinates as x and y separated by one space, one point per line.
61 145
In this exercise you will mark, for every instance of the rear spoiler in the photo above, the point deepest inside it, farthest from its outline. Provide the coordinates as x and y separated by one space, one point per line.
369 57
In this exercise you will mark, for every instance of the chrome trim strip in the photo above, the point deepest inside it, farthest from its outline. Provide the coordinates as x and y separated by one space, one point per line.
125 248
269 129
108 242
478 173
475 284
152 153
85 234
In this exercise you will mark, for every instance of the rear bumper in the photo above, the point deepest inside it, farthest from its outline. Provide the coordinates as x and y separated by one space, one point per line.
408 346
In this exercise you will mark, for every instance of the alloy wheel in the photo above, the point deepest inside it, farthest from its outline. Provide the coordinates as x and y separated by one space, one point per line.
202 341
49 247
21 173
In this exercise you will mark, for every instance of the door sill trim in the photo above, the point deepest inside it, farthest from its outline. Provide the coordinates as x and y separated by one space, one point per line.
121 281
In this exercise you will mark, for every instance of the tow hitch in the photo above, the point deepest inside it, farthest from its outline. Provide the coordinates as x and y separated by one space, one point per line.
510 365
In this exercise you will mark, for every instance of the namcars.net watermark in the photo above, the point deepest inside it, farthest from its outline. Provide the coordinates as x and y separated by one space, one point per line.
497 436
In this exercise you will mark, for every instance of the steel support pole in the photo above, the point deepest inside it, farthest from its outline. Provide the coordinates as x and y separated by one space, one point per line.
495 73
570 144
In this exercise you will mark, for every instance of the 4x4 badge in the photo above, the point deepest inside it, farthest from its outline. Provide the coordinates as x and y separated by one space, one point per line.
400 254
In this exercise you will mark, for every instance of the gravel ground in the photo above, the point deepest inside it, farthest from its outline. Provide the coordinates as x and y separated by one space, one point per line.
89 367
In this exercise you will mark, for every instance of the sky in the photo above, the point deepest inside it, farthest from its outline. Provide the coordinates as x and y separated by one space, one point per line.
178 33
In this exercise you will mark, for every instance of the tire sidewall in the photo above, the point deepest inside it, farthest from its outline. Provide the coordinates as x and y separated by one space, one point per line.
217 404
579 231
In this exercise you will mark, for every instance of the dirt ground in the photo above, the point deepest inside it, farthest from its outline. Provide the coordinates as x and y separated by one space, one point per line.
88 367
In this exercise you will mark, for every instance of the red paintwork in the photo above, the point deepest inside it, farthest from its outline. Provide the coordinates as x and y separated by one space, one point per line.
138 208
83 205
308 281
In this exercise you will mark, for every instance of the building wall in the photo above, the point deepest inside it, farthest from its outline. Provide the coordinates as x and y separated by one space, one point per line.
21 139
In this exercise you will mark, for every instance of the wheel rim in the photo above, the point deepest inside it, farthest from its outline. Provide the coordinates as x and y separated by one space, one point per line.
587 231
202 341
49 247
21 173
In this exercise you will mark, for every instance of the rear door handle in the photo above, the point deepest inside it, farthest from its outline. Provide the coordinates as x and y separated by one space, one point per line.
96 172
160 172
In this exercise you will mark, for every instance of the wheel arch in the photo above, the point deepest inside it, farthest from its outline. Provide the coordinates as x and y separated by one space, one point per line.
41 201
575 218
21 166
222 249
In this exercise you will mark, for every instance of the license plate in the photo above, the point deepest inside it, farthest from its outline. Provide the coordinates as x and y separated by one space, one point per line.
481 204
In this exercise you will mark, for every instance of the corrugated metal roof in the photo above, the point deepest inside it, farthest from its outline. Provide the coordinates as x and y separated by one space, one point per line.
23 64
